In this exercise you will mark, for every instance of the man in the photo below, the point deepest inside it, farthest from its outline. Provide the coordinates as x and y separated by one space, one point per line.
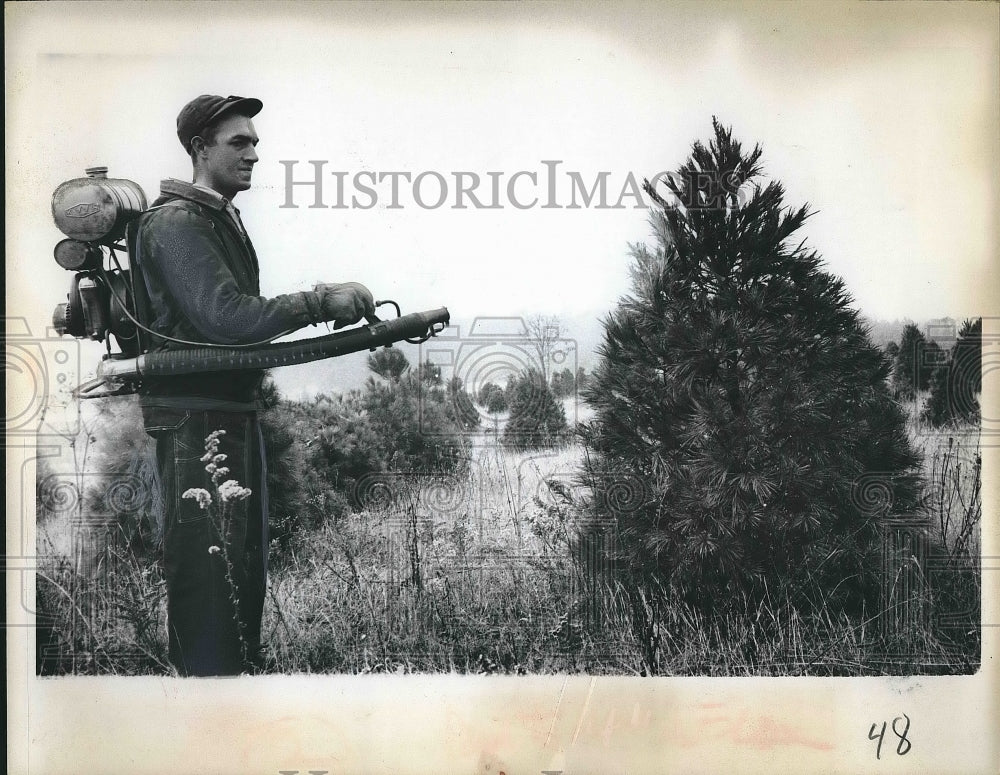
201 286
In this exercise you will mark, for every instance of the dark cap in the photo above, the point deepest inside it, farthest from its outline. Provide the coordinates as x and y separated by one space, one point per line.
203 110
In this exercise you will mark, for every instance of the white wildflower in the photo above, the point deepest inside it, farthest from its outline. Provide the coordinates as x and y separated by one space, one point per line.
212 444
230 490
202 496
214 549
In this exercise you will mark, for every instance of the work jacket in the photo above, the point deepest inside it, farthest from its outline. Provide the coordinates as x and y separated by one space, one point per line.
201 283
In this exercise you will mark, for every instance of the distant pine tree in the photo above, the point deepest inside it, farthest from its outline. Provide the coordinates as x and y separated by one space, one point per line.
744 440
955 385
492 397
563 383
461 409
536 419
916 360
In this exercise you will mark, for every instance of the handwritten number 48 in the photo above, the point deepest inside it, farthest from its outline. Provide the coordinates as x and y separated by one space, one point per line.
903 747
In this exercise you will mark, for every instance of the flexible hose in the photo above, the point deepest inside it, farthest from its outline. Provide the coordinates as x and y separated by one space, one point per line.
203 359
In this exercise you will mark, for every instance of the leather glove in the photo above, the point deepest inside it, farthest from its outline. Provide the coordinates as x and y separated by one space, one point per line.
344 303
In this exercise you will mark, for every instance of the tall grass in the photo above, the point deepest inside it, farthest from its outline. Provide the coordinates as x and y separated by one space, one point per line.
107 616
483 572
469 574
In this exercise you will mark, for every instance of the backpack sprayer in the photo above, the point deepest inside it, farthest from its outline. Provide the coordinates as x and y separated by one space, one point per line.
95 214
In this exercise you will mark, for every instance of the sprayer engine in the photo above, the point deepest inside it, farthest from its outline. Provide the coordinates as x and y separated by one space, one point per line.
93 213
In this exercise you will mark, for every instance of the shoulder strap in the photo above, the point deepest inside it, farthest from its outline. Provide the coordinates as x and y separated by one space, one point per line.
137 278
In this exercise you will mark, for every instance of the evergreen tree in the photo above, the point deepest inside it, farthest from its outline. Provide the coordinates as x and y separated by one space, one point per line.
739 402
460 408
286 465
414 425
389 363
967 370
954 386
492 398
916 361
891 353
563 383
429 373
537 419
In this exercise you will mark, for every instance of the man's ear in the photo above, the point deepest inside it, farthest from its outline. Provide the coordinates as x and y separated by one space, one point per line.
198 145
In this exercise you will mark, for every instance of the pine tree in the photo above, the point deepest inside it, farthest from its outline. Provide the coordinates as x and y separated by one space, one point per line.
744 441
460 408
286 465
389 363
492 398
429 373
967 370
954 386
563 383
537 419
916 360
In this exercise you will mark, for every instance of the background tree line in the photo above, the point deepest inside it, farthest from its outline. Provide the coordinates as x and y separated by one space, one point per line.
951 379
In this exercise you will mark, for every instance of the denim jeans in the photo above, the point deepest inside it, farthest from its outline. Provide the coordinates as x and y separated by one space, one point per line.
214 559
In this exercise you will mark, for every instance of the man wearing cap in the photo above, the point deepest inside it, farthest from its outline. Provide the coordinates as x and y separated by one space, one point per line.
201 286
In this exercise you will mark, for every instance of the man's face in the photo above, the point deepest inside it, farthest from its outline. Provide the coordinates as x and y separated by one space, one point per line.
228 163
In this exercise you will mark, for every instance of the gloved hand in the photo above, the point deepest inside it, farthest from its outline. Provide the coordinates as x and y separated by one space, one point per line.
344 303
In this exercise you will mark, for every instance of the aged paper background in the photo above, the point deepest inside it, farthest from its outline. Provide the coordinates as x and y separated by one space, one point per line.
391 87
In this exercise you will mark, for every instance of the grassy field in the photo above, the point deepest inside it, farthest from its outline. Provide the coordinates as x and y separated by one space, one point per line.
481 573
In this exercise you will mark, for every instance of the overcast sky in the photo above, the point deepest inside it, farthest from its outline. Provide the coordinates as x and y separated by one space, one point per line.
882 116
